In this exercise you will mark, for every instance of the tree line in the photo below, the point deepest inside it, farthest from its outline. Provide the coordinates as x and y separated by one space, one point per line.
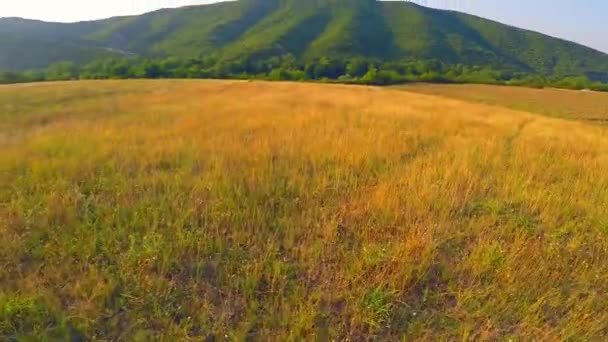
355 70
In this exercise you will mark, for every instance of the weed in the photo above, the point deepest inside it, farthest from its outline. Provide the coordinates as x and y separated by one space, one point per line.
378 306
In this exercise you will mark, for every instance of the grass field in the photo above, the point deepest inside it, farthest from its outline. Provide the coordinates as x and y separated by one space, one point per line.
560 103
176 210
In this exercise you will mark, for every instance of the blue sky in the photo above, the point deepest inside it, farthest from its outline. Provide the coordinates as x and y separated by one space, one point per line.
583 21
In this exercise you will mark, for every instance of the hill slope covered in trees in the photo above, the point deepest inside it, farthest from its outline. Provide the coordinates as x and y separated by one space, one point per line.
308 30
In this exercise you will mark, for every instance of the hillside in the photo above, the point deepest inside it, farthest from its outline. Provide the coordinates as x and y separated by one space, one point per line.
166 210
30 44
257 29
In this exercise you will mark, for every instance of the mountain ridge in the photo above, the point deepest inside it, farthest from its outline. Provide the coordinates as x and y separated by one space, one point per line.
257 29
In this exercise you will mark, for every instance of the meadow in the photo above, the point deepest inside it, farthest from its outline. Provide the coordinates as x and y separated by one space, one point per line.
228 210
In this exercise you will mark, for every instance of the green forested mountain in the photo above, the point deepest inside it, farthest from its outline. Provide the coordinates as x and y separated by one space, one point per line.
250 29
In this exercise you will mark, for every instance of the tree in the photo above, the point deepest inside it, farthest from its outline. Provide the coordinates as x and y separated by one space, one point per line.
357 68
119 69
278 74
151 69
370 76
327 68
574 82
61 71
7 77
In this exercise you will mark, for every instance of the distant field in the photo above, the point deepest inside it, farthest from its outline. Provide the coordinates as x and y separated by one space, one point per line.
568 104
192 210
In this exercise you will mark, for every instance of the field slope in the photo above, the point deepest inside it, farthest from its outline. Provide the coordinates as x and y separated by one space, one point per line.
197 209
587 106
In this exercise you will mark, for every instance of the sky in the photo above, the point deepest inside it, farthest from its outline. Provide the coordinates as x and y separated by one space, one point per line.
582 21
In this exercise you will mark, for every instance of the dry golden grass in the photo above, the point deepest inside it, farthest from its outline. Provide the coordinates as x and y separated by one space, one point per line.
139 210
561 103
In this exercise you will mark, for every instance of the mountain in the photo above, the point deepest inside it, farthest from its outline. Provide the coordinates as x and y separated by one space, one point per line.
385 30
